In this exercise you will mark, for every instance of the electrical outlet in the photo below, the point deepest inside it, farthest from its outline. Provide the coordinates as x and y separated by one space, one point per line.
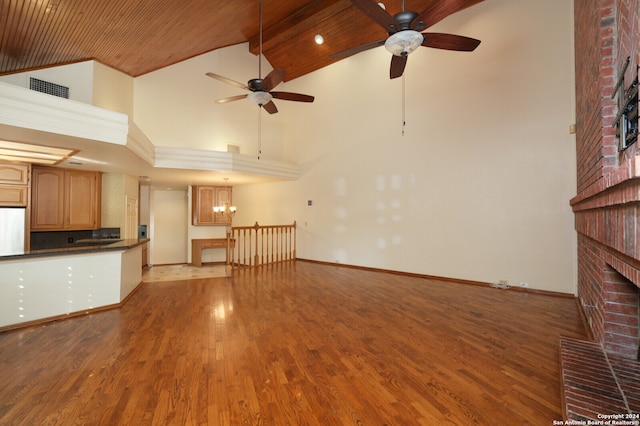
524 284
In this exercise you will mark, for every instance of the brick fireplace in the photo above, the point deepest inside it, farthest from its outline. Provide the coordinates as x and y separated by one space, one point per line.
608 278
620 332
602 375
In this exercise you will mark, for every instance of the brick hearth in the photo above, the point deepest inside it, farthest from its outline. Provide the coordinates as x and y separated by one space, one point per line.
597 383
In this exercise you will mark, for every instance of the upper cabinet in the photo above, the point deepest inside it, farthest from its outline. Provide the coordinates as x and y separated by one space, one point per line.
83 192
14 184
47 199
63 199
205 198
14 174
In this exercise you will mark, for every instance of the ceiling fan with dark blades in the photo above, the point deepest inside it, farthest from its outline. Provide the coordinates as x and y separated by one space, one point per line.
404 29
260 88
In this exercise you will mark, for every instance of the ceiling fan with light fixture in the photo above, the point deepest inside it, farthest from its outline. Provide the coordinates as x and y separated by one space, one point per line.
404 29
261 89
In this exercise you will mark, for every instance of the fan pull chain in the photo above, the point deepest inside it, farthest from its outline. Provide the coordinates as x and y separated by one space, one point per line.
259 132
404 123
260 76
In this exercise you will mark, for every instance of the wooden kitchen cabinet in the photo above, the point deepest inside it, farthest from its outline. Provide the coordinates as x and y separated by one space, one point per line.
47 199
83 192
14 196
14 184
63 199
14 174
205 198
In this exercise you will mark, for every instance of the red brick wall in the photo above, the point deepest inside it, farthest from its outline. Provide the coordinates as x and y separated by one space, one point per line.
620 315
588 94
590 279
607 204
628 45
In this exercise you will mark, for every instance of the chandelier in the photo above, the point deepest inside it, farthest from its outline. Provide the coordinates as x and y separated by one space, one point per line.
226 209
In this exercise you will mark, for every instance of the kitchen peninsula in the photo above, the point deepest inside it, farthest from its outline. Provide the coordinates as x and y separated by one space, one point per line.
42 285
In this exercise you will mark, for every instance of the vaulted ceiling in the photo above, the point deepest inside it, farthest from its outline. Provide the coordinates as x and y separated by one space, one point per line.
140 36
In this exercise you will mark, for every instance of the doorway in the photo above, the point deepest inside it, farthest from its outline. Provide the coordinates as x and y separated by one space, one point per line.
169 222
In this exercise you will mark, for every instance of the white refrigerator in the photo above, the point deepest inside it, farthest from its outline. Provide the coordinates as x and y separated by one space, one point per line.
12 229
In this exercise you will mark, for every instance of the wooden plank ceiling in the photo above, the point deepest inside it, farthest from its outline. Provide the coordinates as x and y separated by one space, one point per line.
141 36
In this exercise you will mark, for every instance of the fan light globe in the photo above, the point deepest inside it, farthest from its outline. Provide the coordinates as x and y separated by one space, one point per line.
259 98
404 42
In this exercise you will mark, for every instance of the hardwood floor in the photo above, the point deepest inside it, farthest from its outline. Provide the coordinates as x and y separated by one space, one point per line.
295 344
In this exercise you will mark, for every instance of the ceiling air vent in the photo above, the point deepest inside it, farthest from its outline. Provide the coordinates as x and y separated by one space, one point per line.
233 148
48 88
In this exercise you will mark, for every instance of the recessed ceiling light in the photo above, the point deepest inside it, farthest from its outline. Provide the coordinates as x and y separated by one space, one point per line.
319 39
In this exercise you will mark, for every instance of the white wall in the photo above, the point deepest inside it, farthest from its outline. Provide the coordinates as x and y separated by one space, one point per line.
112 89
89 82
175 106
77 77
478 188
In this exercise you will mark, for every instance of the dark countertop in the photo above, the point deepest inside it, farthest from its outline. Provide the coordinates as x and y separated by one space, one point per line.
119 245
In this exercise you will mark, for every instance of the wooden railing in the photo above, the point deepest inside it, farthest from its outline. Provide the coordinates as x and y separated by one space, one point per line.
261 245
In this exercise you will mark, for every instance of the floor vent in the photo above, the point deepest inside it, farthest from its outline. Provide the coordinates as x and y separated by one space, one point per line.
48 88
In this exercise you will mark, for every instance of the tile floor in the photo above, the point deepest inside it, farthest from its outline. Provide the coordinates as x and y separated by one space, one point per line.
182 272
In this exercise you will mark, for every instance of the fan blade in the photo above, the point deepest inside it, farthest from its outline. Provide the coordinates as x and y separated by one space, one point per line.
357 49
450 42
270 107
436 12
231 99
397 66
227 80
377 14
272 79
297 97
